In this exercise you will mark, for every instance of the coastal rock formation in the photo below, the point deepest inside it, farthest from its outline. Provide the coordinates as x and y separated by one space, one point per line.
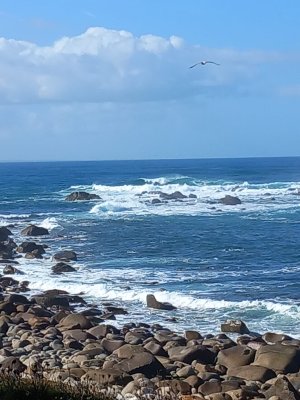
236 326
230 200
172 196
33 230
65 255
153 303
29 247
4 233
79 196
62 267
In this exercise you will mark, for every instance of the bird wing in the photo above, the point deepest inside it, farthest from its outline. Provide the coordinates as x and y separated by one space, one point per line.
194 65
212 62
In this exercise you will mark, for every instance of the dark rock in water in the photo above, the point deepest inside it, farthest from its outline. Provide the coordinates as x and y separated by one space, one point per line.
29 247
76 196
33 230
236 326
8 261
116 310
156 201
230 200
8 281
61 267
4 233
34 254
172 196
17 299
153 303
49 301
192 196
10 270
66 255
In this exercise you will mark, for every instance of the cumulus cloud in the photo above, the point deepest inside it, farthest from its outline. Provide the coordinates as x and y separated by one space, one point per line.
103 65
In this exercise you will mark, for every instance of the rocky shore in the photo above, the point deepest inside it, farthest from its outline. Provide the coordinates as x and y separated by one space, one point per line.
48 333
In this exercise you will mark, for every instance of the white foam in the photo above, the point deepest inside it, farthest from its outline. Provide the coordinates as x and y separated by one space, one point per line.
49 223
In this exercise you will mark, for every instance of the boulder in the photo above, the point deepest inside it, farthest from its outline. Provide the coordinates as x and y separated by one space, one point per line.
272 338
50 301
153 303
172 196
236 326
106 376
189 354
65 255
236 356
13 364
10 270
29 247
282 389
33 230
4 233
144 363
281 358
62 267
230 200
251 373
77 196
74 321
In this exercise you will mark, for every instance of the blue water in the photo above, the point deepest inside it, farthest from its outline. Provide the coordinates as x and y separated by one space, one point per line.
212 261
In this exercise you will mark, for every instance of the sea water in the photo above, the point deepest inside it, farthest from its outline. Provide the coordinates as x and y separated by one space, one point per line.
212 261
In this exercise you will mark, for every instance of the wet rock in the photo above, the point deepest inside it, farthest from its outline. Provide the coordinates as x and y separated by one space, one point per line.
156 201
33 230
4 233
29 247
153 303
62 267
50 301
172 196
272 338
230 200
236 326
66 255
79 196
10 270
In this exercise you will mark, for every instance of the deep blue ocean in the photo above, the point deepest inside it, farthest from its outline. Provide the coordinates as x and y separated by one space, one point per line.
212 261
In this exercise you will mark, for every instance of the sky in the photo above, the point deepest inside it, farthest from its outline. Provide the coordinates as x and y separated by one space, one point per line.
110 79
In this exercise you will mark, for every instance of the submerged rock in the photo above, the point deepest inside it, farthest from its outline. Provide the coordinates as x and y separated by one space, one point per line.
66 255
4 233
77 196
61 267
230 200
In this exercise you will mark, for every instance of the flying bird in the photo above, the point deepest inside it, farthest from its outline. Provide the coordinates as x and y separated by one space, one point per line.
203 63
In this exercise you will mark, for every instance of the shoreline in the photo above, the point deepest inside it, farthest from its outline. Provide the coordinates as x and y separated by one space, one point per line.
47 333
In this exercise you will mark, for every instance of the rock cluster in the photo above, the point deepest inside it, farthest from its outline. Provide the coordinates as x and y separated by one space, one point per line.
47 333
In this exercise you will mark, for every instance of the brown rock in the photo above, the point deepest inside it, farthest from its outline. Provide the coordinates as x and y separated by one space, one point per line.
189 354
144 363
236 356
75 321
283 389
279 357
251 373
153 303
236 326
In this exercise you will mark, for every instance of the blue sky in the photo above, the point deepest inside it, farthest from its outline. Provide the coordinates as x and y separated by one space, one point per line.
95 79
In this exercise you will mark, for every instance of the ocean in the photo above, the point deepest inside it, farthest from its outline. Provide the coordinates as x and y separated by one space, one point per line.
212 261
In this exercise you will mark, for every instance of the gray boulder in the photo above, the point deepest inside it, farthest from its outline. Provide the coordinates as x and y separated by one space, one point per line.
79 196
66 255
62 267
4 233
230 200
33 230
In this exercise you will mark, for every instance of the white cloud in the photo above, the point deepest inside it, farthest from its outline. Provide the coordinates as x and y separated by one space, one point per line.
103 65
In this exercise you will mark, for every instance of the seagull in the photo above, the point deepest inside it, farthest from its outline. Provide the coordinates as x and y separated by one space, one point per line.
203 63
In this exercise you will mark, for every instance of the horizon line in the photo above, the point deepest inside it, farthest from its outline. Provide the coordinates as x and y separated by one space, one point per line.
143 159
